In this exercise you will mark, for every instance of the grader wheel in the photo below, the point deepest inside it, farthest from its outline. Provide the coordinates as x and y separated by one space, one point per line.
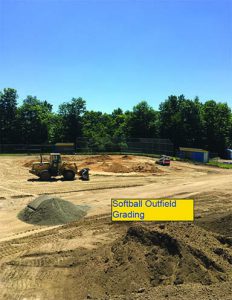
69 175
45 175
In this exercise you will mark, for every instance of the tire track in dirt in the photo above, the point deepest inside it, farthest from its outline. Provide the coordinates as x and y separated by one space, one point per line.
22 260
53 235
93 189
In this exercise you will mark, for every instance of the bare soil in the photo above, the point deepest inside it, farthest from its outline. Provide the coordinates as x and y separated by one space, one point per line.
97 259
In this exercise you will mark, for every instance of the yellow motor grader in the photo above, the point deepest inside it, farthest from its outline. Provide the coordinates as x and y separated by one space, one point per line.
55 167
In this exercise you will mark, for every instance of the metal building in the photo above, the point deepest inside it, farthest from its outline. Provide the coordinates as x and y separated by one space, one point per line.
228 154
194 154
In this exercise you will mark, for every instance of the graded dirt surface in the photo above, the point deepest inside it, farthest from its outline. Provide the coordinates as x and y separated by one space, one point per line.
96 259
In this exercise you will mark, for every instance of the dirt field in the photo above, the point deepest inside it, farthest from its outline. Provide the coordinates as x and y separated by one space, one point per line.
97 259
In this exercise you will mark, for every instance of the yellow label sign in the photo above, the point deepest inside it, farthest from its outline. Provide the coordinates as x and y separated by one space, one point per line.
152 209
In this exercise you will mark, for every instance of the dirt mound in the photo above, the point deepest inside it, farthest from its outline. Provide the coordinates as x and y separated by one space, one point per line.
28 163
107 163
127 157
149 256
146 167
51 211
220 224
101 158
145 257
95 162
98 158
140 167
115 167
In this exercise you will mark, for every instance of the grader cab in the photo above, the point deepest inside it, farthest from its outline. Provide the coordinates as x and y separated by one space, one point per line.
55 167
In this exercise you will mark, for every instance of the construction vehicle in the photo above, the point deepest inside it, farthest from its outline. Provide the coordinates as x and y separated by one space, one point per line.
55 167
164 160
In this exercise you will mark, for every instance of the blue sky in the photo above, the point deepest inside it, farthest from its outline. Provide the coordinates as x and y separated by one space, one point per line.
116 53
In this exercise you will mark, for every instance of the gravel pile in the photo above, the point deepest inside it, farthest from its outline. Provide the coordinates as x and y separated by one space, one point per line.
51 211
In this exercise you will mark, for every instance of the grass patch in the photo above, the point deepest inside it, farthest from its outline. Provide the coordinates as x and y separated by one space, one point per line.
13 154
220 165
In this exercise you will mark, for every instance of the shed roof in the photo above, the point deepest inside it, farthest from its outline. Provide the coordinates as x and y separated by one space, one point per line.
192 149
64 144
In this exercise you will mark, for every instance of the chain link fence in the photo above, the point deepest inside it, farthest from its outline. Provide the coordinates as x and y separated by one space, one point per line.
86 145
132 145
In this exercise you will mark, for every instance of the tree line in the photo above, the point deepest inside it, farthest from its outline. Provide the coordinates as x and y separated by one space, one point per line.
186 122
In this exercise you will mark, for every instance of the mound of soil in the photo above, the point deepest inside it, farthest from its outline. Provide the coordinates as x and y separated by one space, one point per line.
142 257
107 163
51 211
140 167
102 158
220 224
92 159
146 167
127 157
151 257
147 256
115 167
29 163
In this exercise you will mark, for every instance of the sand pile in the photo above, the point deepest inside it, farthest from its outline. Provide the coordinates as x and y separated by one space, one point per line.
146 256
142 257
93 161
140 167
220 224
51 211
112 164
127 157
102 158
107 163
98 158
29 163
151 257
146 167
115 167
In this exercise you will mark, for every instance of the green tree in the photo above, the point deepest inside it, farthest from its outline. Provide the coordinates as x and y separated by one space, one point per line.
118 122
181 121
71 113
8 109
34 117
97 127
55 129
217 125
142 121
